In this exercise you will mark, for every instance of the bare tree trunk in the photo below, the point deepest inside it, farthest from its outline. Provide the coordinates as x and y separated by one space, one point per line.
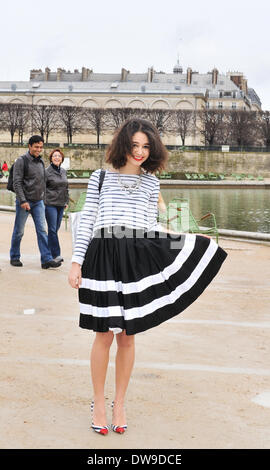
183 123
263 123
210 124
161 118
70 119
45 119
243 127
96 121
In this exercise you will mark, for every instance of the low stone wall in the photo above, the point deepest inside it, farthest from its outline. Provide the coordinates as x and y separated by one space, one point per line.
220 162
85 159
179 161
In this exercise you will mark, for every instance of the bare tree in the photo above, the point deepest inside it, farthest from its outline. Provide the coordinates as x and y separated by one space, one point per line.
161 118
45 120
117 116
2 116
183 123
243 125
12 111
96 120
211 122
70 120
264 127
24 113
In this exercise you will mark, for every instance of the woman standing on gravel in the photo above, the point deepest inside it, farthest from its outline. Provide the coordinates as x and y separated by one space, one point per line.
129 274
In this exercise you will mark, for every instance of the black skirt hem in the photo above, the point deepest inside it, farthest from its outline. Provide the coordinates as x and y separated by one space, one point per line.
159 316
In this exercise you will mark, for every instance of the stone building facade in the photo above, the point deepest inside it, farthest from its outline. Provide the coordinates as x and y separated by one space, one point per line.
150 90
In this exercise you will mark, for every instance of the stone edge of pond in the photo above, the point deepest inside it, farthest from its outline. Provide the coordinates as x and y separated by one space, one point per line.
183 183
222 232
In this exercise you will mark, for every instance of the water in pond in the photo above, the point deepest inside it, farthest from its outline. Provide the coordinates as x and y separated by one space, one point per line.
235 209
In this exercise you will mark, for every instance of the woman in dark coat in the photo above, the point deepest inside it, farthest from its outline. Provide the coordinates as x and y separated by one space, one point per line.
56 200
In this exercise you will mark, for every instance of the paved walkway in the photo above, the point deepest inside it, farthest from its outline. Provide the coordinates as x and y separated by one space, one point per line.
195 380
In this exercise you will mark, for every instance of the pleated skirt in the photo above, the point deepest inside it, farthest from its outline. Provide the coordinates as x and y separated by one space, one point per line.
136 280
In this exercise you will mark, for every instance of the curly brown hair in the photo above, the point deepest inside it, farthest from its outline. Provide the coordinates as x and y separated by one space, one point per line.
56 150
121 145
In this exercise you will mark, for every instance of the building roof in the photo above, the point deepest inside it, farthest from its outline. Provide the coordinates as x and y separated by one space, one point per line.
136 83
212 84
254 97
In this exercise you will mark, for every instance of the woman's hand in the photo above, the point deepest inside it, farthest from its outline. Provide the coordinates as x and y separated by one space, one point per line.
75 276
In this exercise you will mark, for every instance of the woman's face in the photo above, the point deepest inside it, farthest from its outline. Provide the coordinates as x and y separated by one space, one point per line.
140 149
57 158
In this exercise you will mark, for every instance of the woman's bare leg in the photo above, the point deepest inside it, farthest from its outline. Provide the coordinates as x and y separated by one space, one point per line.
123 367
99 365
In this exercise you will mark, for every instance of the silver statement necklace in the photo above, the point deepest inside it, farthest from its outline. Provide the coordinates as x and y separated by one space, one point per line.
129 188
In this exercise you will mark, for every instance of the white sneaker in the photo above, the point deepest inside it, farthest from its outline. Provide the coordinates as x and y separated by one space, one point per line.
58 258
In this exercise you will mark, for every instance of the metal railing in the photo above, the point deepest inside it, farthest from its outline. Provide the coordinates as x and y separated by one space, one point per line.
217 148
25 144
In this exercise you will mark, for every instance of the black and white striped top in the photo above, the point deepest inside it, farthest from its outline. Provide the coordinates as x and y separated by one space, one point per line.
115 206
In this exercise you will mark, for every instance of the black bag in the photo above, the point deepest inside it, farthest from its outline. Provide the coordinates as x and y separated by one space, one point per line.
10 186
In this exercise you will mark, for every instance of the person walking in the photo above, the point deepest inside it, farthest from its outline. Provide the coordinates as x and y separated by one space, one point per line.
29 186
56 200
130 274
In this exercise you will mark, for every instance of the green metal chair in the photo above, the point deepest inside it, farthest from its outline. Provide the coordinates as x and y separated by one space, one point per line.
239 177
180 219
75 206
212 176
71 174
164 175
86 174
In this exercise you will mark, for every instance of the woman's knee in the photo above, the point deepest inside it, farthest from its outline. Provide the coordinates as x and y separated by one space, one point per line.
124 340
104 339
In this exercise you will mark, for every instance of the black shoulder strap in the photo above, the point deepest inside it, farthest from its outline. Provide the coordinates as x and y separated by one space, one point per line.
101 179
25 161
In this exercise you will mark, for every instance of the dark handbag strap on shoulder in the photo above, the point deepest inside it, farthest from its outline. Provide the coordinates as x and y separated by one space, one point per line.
101 179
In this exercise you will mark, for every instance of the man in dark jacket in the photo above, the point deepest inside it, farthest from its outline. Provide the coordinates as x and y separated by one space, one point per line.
29 186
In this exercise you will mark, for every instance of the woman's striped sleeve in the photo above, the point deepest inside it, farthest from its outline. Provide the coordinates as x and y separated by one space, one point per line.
88 217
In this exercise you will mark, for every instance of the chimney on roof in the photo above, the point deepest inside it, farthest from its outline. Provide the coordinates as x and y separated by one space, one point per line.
124 75
85 74
239 80
214 76
150 75
34 73
245 86
47 74
189 76
59 74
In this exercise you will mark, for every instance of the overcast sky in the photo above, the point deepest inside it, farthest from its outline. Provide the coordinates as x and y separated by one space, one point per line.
105 36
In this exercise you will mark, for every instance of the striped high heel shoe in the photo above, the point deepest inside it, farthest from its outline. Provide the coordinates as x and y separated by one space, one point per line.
117 428
99 429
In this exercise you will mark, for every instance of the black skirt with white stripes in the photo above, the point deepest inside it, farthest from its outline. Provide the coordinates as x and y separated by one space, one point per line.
134 280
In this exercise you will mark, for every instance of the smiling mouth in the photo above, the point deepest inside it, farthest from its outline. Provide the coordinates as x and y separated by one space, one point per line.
137 158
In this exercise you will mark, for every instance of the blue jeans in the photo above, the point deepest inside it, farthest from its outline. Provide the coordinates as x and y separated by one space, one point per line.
38 215
54 215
